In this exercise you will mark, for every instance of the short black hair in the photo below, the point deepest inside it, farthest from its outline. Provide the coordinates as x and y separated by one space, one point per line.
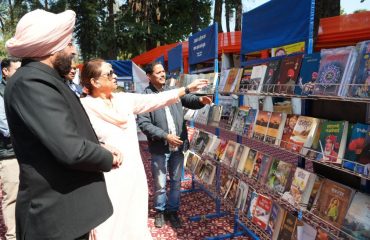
149 68
5 63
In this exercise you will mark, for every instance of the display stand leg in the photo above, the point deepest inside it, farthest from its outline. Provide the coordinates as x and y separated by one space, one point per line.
218 212
238 224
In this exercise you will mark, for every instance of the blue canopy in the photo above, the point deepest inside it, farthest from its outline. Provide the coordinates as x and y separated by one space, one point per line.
276 23
122 68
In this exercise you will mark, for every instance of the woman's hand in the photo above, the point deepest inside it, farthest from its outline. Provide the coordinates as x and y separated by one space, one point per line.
117 155
197 84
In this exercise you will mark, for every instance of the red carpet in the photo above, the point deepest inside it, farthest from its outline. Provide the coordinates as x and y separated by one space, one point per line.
192 204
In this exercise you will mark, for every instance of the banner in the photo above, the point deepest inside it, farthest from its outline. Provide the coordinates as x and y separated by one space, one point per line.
203 45
276 23
160 60
122 68
175 58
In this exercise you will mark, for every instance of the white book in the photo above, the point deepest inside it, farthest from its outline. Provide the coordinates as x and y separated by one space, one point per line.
258 74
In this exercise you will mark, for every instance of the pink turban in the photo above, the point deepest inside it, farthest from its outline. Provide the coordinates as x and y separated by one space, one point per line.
40 33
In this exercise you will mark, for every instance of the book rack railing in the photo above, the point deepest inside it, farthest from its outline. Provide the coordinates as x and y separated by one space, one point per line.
307 216
347 166
353 92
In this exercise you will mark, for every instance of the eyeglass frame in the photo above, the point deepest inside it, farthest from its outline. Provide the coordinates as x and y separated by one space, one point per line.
109 75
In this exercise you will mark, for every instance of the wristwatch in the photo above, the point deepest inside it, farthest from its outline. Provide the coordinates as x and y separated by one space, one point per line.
187 90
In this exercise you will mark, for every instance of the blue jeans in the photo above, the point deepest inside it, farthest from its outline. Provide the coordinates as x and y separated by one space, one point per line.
173 162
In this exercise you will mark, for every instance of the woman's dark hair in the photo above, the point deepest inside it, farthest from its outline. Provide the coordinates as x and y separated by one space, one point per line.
91 69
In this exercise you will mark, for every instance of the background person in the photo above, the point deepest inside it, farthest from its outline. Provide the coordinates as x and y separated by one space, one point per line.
113 118
166 133
62 192
9 168
77 89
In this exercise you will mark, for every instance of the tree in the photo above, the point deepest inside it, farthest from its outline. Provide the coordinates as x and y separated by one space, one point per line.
217 14
143 25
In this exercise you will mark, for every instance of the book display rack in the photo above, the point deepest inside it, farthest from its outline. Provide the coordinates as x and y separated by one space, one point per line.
267 178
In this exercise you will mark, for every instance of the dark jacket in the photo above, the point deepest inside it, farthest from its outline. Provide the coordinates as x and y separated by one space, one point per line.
62 192
154 124
6 148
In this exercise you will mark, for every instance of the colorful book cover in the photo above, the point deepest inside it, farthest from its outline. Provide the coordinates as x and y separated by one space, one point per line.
264 169
238 156
199 168
231 194
257 165
211 151
333 202
332 141
361 78
245 80
212 82
272 74
227 107
360 139
275 128
308 74
226 181
249 122
233 113
290 123
252 205
288 74
278 178
201 142
193 162
263 210
301 187
288 226
333 65
231 80
231 149
303 133
260 127
357 220
249 162
276 216
221 148
209 172
240 120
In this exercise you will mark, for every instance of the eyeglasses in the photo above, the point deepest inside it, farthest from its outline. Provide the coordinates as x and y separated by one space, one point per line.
109 75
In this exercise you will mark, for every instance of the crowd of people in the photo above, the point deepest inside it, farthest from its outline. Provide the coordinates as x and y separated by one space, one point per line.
76 170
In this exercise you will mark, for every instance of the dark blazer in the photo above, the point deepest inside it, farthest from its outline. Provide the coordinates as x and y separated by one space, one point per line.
62 192
154 124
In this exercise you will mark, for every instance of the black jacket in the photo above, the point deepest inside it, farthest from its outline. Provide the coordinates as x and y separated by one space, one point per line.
154 124
6 148
62 192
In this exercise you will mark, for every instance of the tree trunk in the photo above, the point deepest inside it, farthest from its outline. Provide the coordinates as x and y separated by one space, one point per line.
112 52
217 14
227 15
46 5
238 15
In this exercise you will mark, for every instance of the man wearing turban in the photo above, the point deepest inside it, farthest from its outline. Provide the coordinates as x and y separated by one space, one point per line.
62 192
